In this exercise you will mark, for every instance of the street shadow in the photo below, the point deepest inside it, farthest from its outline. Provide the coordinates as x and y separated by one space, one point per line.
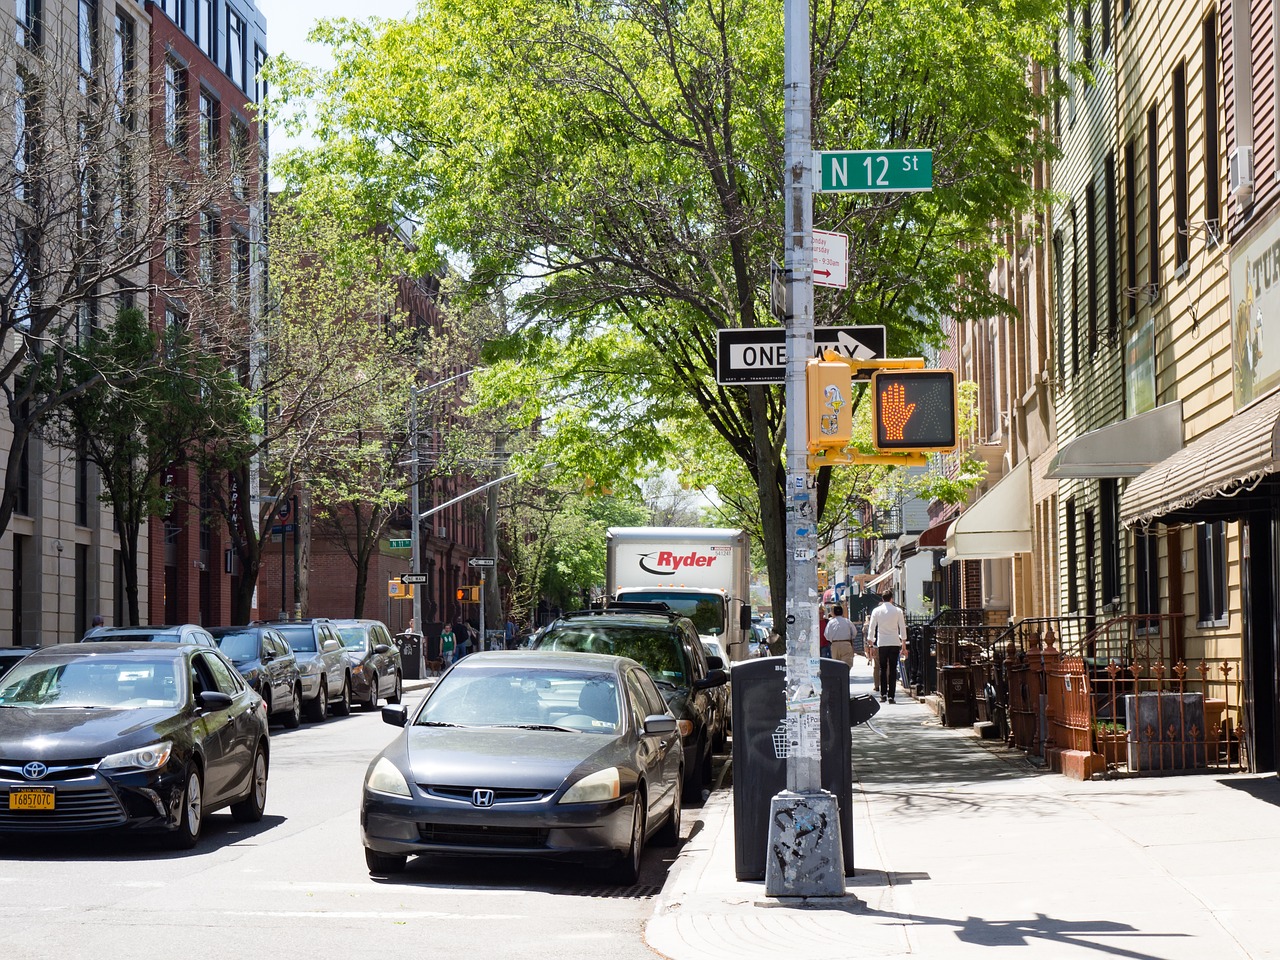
1266 788
221 830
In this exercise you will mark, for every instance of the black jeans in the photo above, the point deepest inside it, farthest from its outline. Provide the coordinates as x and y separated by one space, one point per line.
887 666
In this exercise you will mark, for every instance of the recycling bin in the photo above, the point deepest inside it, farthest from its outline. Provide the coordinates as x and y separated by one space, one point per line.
760 754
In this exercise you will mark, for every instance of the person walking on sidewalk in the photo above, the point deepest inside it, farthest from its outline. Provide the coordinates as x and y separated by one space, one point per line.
840 634
889 634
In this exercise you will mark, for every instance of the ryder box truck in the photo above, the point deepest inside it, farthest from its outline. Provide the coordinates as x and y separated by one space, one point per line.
701 573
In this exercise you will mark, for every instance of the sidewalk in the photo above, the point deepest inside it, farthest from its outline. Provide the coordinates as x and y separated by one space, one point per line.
961 846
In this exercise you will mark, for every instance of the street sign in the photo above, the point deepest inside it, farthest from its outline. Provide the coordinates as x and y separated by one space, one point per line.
481 562
400 544
874 171
413 578
759 354
778 292
831 259
283 527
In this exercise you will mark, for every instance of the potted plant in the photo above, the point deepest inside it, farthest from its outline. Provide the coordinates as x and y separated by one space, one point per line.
1111 738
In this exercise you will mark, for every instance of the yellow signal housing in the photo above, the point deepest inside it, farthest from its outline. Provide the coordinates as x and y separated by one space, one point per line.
830 391
399 591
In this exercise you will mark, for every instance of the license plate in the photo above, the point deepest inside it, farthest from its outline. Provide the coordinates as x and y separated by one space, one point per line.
32 798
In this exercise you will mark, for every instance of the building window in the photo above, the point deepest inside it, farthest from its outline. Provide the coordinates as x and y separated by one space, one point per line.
1146 575
82 483
82 589
24 115
239 271
1106 26
259 81
209 241
1212 184
1109 504
235 48
1086 32
1059 296
206 35
1091 264
238 147
1211 573
1073 560
175 90
1153 200
208 131
21 547
23 504
28 17
1181 205
123 60
1131 223
1090 563
175 240
87 36
24 279
1075 294
1113 252
87 317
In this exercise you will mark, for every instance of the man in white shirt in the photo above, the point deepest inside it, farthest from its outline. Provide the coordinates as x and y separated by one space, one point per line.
840 634
889 635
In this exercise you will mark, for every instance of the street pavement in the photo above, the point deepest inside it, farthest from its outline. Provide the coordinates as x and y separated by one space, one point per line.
962 845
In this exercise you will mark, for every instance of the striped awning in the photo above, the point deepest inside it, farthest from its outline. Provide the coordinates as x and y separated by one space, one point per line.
1223 462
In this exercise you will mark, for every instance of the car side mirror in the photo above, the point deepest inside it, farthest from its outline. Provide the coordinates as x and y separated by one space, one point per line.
267 656
381 648
397 716
330 645
659 725
714 662
213 700
715 678
744 616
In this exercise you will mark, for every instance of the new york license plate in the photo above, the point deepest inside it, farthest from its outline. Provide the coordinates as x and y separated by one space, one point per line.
32 798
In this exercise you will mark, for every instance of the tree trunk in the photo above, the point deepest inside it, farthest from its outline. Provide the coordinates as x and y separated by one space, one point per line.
302 537
130 533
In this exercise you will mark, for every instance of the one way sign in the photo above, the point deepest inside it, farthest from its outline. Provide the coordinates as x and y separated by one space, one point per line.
759 355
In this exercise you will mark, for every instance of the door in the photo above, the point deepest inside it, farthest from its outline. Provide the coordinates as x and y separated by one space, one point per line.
659 751
214 731
243 724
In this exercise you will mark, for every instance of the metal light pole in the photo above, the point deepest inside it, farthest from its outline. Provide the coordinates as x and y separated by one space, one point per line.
414 522
805 856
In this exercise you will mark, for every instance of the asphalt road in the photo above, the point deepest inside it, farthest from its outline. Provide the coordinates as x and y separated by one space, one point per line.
295 885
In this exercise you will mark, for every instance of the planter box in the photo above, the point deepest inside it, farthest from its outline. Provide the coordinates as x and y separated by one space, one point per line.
1159 735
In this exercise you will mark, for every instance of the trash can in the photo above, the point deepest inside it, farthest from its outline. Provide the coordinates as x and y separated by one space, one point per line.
758 692
957 695
410 645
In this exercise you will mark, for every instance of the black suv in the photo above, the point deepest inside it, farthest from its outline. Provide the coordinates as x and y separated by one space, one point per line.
668 647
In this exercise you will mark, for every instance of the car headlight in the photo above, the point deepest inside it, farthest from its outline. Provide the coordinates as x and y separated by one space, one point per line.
599 786
144 758
385 777
308 667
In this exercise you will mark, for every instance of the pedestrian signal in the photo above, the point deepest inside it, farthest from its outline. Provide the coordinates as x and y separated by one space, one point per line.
399 591
914 410
830 386
468 595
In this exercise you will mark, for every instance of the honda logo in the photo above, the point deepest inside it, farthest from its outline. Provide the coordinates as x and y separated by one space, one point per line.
482 797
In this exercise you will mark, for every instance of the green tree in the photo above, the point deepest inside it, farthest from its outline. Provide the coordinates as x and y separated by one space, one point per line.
621 167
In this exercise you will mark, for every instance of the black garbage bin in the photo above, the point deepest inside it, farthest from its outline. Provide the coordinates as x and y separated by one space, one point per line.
957 695
759 705
410 645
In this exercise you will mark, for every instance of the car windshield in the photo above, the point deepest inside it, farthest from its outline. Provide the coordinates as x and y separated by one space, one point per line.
706 612
352 637
658 650
92 682
301 639
145 635
536 697
239 646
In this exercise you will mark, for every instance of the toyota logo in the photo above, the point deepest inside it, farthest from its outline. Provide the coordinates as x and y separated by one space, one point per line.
34 770
482 798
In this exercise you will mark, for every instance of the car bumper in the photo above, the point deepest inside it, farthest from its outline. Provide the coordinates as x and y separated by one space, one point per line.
140 801
544 829
310 685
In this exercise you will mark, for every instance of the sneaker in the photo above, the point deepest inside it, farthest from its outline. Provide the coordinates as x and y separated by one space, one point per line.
882 699
891 700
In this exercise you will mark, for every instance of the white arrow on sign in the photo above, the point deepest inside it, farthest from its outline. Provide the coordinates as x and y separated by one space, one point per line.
851 348
481 562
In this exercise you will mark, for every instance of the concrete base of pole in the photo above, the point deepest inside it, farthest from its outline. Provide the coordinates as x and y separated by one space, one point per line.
805 858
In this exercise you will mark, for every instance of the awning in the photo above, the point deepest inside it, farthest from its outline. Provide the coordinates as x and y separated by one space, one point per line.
935 537
1222 462
880 579
999 524
1122 449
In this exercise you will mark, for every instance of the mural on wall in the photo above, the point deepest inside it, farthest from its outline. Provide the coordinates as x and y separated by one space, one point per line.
1140 370
1255 316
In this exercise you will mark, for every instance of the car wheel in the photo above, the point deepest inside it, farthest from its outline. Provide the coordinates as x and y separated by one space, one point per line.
293 719
318 708
398 693
342 706
372 703
249 810
384 862
691 785
627 871
191 814
669 834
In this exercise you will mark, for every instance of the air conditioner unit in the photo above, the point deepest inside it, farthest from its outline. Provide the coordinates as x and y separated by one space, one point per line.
442 532
1240 173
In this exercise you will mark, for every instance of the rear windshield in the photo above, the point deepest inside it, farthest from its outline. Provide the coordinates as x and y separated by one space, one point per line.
302 639
352 637
659 651
238 646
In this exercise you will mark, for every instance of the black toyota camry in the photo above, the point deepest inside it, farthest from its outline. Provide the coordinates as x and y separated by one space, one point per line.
129 735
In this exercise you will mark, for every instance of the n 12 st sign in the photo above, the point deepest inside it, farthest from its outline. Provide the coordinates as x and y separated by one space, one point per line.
759 354
874 171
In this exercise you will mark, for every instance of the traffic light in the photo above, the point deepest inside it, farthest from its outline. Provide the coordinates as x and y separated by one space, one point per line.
830 387
399 591
914 410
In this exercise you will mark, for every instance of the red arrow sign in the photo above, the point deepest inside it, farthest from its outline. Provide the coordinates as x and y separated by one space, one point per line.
822 273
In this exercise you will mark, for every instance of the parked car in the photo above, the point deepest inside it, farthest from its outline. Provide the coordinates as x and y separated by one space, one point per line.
164 633
668 646
326 678
374 660
11 655
711 647
268 665
147 736
552 755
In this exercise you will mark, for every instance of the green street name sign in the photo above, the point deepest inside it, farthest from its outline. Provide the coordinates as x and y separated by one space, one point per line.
399 544
874 171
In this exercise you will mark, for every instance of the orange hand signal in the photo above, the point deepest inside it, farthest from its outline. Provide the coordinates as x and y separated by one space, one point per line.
895 412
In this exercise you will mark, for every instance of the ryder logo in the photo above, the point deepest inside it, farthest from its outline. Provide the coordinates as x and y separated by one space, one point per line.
664 562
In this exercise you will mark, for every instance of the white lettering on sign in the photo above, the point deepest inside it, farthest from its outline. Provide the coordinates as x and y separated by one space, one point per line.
751 355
